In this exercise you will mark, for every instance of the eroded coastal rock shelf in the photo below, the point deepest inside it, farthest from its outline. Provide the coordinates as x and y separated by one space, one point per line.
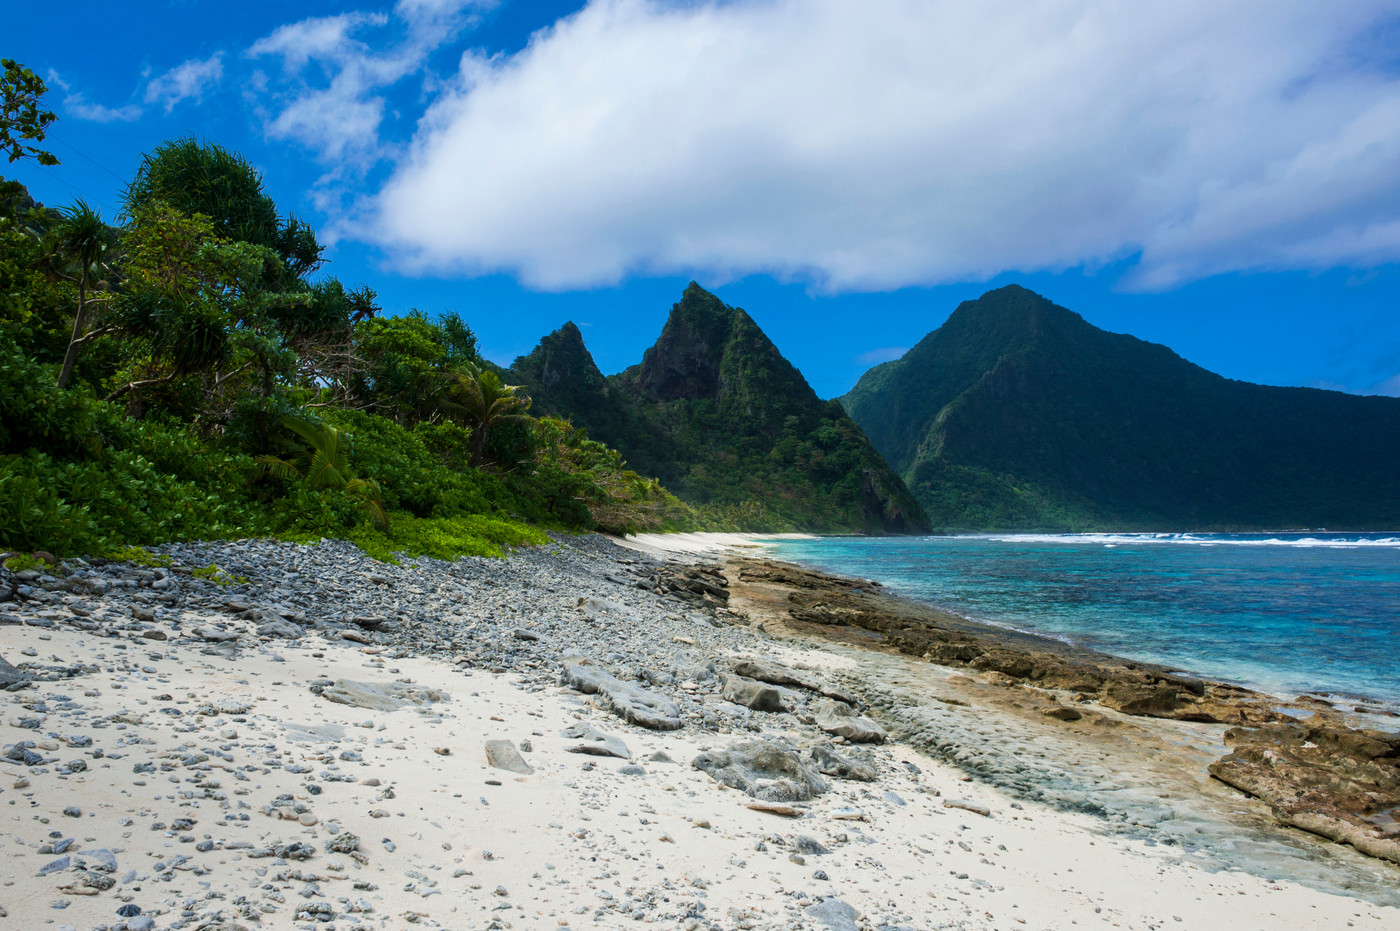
582 735
1321 767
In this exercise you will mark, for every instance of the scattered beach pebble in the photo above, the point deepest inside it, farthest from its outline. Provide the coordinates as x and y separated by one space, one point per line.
227 753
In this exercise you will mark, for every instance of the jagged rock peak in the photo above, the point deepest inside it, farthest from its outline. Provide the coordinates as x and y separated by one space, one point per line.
560 356
685 360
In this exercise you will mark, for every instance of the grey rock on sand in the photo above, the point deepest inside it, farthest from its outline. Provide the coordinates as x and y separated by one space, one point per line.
753 694
831 763
834 914
502 755
284 630
378 697
598 607
9 675
778 674
839 718
764 769
629 702
595 742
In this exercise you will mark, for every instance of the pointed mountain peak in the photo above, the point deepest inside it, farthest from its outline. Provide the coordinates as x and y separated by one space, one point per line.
685 360
560 372
1012 303
565 342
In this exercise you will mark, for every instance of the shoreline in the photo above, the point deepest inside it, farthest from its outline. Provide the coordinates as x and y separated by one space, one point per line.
1385 710
1329 770
237 808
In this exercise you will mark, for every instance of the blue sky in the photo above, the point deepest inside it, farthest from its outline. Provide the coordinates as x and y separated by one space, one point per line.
1223 178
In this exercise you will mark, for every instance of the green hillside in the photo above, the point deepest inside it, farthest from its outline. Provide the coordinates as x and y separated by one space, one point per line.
726 423
1018 414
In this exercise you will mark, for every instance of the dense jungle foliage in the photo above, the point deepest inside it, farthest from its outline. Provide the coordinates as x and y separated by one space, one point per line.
1018 414
187 370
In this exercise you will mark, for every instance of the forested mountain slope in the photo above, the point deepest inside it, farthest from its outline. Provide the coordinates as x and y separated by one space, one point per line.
717 414
1018 414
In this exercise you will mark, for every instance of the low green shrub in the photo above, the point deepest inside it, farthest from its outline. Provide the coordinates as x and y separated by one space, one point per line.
139 556
444 537
23 562
212 573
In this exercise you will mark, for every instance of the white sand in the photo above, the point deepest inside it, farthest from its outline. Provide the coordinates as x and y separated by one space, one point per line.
571 845
694 544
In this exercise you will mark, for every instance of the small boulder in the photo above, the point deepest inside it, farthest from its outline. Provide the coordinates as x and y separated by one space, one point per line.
629 702
502 755
594 742
764 769
839 718
831 763
753 694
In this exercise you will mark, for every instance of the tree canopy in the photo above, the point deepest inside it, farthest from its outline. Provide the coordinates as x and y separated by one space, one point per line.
22 119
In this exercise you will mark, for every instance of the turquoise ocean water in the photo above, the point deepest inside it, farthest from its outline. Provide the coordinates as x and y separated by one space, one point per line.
1287 613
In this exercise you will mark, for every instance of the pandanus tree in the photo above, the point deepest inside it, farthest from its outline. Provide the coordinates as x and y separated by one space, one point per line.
482 402
78 250
319 454
207 179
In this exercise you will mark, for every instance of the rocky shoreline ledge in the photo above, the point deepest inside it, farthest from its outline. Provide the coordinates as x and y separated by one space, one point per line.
1318 766
257 734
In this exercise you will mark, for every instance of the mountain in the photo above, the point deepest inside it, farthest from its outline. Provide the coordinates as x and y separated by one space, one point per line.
725 422
1018 414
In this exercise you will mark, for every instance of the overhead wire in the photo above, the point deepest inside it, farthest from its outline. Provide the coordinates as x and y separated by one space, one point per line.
99 201
86 156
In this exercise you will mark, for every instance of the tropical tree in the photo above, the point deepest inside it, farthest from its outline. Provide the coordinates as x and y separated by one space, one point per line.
79 249
408 363
21 120
482 402
205 178
320 455
170 307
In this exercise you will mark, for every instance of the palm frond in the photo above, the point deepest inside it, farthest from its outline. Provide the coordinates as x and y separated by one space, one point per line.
367 490
324 471
278 468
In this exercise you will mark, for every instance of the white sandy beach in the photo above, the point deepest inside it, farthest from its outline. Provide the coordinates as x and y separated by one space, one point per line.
185 803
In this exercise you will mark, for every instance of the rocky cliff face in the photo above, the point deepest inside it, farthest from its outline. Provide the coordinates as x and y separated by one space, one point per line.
684 362
717 413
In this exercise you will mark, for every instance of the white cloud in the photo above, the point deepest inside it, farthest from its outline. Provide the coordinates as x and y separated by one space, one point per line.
187 81
76 105
337 111
870 146
325 38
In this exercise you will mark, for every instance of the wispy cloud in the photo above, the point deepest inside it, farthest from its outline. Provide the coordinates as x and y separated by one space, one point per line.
188 81
876 356
867 147
76 105
336 108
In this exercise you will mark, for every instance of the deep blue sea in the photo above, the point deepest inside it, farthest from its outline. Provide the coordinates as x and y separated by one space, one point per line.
1287 613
